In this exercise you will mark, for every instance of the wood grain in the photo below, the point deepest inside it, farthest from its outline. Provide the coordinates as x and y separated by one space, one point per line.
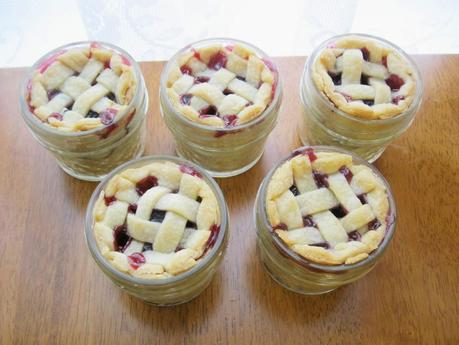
53 293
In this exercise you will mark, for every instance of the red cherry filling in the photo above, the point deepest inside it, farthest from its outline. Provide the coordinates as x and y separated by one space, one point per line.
217 61
384 61
109 200
365 53
214 230
121 239
125 60
230 120
308 152
309 222
397 99
186 70
190 171
374 224
354 235
107 116
132 208
347 173
145 184
280 226
209 110
199 80
186 98
56 116
394 82
320 179
136 260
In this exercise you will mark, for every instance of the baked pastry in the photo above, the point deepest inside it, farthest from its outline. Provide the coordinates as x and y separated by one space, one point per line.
80 89
326 208
221 86
156 221
365 78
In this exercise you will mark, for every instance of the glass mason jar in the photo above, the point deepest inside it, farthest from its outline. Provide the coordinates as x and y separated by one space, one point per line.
223 152
92 154
165 291
303 276
324 124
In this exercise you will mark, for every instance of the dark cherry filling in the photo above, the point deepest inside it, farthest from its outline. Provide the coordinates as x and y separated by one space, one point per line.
394 82
324 245
191 225
347 173
280 226
374 224
336 77
308 221
227 92
354 235
240 78
111 96
230 120
294 190
186 98
178 248
339 211
157 216
121 239
109 200
186 70
190 171
145 184
365 53
364 79
217 61
362 198
320 179
199 80
147 246
369 102
209 110
136 260
56 116
132 208
92 114
52 93
199 199
397 99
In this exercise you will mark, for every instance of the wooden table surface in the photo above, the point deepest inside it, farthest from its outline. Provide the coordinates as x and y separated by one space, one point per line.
53 293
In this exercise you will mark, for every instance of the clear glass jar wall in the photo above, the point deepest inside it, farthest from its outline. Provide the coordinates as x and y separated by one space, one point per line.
168 291
323 123
223 152
298 274
90 155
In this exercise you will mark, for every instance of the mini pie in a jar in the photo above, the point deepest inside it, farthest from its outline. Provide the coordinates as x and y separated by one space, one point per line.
156 221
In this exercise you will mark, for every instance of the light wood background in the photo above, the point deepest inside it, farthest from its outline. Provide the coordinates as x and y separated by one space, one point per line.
51 291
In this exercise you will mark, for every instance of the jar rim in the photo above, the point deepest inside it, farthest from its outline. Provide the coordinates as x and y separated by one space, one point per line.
308 68
297 258
100 259
32 119
208 41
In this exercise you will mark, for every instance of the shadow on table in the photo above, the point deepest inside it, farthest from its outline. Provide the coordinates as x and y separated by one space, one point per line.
180 318
288 305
